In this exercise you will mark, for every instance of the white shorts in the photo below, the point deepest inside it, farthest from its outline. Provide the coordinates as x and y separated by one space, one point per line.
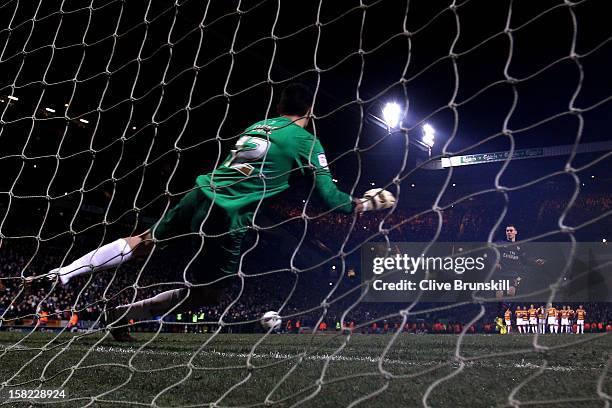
508 323
542 321
564 321
580 322
519 321
533 320
552 320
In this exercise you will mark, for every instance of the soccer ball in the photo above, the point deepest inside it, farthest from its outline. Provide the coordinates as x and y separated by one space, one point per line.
380 199
270 320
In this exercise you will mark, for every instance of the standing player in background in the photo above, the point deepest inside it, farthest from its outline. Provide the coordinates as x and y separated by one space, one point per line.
520 319
222 205
508 319
568 315
542 319
553 325
525 319
572 317
512 262
564 319
533 319
580 316
510 266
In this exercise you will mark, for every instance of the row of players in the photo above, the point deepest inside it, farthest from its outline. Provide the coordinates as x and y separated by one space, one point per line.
535 320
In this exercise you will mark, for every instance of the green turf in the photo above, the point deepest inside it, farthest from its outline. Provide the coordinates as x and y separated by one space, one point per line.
170 372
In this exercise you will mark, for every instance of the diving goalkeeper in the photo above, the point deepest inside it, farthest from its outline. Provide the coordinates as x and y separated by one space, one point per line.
222 205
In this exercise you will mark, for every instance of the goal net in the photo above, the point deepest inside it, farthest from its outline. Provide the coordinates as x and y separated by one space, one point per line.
488 121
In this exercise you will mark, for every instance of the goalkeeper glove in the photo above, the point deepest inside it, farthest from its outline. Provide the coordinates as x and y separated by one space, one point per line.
376 199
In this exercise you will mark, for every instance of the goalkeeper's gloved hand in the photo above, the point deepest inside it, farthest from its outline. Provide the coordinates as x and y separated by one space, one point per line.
375 199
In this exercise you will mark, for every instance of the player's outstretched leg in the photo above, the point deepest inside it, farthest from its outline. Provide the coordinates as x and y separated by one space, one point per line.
105 257
153 306
117 320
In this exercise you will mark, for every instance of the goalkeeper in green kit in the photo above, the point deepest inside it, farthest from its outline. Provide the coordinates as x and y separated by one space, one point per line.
222 205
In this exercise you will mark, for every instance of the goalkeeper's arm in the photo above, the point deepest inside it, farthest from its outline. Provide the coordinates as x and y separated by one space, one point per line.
375 199
330 194
310 151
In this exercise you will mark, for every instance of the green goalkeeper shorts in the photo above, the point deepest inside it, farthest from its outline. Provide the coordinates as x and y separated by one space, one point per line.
222 240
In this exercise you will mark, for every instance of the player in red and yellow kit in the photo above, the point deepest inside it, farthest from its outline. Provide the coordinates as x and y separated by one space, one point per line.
519 319
553 325
565 319
533 319
542 319
508 319
580 315
525 319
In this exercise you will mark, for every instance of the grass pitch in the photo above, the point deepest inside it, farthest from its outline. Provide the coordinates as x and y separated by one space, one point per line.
316 371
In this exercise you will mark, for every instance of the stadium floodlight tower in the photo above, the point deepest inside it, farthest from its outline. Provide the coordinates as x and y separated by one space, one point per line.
392 120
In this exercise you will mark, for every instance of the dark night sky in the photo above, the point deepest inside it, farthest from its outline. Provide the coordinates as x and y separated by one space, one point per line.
65 54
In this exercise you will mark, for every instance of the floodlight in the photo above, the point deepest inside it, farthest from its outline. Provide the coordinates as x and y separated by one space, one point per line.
429 134
391 114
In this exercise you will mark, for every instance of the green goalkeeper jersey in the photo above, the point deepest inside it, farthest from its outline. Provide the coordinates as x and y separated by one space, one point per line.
260 164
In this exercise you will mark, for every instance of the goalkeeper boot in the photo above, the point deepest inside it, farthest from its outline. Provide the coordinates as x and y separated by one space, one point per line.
120 333
33 284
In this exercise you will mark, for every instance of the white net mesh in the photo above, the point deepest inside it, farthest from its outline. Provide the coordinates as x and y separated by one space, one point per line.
110 109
